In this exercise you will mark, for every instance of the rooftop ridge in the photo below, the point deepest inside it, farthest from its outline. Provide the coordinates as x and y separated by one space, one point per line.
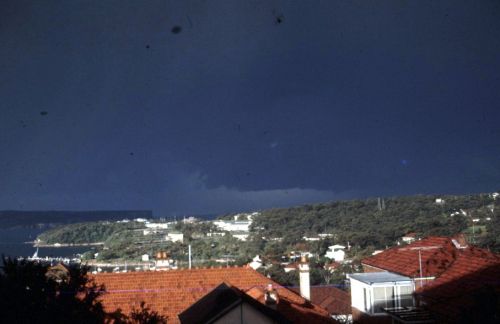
171 292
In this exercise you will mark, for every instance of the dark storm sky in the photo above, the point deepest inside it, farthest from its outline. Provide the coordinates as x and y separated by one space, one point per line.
215 106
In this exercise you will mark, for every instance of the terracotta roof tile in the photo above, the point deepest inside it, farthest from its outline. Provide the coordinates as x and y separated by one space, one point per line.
171 292
336 301
462 274
454 294
437 253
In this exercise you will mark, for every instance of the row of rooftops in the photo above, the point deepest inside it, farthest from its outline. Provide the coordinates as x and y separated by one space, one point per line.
172 293
449 266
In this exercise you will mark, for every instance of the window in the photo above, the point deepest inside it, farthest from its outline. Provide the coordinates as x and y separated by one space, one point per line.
405 296
366 293
383 297
389 296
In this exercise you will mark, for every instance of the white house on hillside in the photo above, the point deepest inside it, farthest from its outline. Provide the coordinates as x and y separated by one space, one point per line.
174 237
336 252
241 223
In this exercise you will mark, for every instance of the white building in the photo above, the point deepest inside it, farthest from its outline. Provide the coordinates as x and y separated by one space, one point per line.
164 262
174 237
242 236
311 238
241 223
336 252
233 226
408 238
214 234
157 225
372 291
256 263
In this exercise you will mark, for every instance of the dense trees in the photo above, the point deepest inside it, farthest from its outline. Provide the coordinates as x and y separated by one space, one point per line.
366 224
369 223
37 293
90 232
30 296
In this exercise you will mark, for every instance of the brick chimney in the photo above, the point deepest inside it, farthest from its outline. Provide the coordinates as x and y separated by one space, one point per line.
305 287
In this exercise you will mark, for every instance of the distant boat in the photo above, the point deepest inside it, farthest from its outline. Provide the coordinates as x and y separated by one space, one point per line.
35 255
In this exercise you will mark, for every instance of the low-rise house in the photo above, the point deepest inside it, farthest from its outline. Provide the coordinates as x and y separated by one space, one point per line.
196 296
241 223
256 263
242 236
214 234
157 225
174 237
164 262
440 201
409 238
233 226
441 273
336 252
228 304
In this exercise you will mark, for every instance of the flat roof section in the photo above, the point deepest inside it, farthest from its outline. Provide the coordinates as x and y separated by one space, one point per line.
378 277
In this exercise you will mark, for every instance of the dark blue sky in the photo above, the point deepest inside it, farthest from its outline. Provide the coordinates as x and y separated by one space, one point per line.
252 104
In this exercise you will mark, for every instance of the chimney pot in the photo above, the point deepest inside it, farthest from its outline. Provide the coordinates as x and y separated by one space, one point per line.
271 297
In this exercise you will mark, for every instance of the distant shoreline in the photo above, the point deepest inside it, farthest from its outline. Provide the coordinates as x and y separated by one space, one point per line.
62 245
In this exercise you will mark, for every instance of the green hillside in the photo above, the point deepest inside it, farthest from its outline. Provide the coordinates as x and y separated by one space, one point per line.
380 222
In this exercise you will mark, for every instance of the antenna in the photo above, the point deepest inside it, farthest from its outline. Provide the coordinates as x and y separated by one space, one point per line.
189 253
420 265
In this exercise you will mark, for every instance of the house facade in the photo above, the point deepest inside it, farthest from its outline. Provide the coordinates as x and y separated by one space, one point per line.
445 277
336 252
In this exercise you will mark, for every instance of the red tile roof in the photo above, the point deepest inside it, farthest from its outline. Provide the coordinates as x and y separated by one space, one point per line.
171 292
332 265
437 253
457 293
466 277
336 301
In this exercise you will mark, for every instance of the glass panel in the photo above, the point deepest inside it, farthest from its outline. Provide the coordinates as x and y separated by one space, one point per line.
406 295
407 301
383 297
406 290
379 293
367 303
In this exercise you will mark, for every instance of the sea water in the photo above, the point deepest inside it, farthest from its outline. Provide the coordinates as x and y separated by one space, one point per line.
14 243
